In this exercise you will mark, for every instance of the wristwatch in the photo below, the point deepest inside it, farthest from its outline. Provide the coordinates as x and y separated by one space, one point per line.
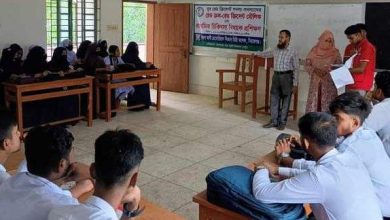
132 214
259 168
283 155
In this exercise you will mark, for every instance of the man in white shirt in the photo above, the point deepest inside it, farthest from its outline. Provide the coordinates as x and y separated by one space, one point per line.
284 80
10 140
337 187
31 195
350 110
379 119
118 155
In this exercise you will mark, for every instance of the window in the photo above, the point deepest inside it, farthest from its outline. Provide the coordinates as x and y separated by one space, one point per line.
77 20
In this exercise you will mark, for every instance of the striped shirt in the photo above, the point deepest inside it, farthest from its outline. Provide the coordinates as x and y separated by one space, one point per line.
285 59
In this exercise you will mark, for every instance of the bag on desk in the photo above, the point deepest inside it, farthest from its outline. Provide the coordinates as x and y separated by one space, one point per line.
231 188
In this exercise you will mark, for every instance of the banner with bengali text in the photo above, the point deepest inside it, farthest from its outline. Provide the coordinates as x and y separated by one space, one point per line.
238 27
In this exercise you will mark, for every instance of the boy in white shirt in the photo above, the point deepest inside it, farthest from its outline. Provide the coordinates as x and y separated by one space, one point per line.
338 186
31 195
118 155
10 140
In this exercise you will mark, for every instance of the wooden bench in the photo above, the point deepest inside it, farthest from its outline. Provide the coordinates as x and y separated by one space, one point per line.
210 211
20 94
106 80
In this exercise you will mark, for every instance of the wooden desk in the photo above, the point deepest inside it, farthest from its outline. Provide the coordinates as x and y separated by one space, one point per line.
210 211
30 92
105 81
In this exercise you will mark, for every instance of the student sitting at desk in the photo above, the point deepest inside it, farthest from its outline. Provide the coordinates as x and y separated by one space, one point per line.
118 155
32 194
10 140
142 92
113 60
82 51
350 110
337 186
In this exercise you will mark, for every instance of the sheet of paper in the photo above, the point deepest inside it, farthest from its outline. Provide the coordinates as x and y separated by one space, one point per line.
341 76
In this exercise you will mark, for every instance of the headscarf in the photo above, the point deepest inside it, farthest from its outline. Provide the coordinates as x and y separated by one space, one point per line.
102 44
82 50
324 49
67 44
131 55
11 61
93 60
35 61
59 60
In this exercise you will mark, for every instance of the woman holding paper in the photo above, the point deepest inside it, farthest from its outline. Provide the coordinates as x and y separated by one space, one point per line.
322 89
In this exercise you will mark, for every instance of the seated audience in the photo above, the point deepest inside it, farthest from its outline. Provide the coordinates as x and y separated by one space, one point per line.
82 51
102 48
118 155
59 62
350 110
35 63
10 63
93 62
142 92
113 60
335 186
10 140
71 55
31 195
378 120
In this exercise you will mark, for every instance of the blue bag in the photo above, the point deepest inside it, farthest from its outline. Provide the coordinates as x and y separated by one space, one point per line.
231 188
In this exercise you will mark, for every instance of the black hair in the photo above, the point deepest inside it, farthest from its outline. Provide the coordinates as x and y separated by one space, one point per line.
353 29
351 103
7 123
59 62
45 147
112 49
319 127
361 27
287 32
102 44
35 61
382 82
116 154
82 50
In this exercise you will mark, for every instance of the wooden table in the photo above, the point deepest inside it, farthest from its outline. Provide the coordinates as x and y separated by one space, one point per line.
106 80
210 211
20 94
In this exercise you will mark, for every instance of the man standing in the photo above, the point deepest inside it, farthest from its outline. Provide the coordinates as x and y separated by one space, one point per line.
363 66
284 81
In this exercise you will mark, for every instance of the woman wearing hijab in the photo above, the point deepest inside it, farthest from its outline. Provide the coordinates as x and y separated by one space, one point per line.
59 62
113 60
93 61
142 92
35 63
322 89
71 55
102 51
82 50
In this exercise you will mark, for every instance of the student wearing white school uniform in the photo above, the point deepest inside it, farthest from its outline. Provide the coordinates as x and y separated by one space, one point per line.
31 195
10 140
350 110
379 119
118 155
338 187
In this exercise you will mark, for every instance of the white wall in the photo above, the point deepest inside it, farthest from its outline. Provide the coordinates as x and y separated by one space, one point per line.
22 22
111 22
305 21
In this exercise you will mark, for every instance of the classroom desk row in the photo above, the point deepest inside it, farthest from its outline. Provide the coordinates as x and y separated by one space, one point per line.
22 93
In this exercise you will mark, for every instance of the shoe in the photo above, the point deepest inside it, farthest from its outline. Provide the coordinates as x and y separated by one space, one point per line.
281 127
269 125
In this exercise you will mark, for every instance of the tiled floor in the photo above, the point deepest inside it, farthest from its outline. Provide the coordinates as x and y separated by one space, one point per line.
183 142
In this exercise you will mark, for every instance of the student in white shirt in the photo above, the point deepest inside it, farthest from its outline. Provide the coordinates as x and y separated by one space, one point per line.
70 55
10 140
379 119
31 195
337 187
350 110
118 155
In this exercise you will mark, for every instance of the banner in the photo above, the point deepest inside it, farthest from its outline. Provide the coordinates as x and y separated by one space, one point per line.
238 27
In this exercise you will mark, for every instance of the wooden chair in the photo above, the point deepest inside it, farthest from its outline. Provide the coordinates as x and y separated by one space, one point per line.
243 71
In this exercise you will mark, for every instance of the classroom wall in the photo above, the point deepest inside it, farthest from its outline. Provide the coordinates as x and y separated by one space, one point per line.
22 22
305 21
111 22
